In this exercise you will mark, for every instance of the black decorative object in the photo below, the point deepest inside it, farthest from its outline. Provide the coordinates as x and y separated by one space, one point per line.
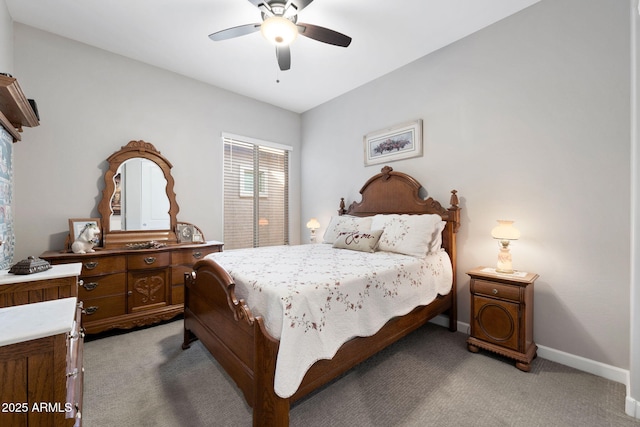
30 265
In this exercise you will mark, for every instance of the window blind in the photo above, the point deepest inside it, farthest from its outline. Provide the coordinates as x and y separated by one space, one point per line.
256 193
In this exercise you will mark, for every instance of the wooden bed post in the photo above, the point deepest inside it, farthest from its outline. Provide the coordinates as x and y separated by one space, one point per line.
269 409
453 224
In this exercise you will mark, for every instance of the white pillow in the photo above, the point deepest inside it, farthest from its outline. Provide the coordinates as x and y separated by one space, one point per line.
414 235
358 241
343 223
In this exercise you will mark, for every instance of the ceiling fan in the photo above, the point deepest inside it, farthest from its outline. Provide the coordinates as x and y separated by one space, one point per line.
280 26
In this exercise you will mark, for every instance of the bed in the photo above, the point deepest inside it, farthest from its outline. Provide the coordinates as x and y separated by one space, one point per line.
253 341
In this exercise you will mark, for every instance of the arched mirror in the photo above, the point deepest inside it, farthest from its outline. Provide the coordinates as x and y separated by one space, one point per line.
138 202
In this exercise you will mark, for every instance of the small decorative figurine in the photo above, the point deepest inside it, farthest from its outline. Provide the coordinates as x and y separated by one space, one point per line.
88 238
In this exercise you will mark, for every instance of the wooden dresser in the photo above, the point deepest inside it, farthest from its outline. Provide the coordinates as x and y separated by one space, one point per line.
41 364
124 288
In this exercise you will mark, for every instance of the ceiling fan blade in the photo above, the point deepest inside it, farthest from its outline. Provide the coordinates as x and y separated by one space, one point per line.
293 7
283 53
230 33
324 35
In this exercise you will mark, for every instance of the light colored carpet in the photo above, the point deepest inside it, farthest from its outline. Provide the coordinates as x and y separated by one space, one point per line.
144 378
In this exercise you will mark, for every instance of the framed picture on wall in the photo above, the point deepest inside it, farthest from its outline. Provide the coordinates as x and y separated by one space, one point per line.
399 142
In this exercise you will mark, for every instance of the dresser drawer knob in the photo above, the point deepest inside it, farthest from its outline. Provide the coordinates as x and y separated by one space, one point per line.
197 255
150 260
90 265
90 310
73 373
495 291
90 286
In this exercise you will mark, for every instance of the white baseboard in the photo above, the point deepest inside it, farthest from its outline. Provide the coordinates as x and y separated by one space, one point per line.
632 406
583 364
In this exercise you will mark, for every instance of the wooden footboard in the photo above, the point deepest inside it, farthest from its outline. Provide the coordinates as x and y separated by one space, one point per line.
237 340
242 346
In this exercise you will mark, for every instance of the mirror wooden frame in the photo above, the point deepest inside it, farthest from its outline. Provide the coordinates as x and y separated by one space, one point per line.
120 239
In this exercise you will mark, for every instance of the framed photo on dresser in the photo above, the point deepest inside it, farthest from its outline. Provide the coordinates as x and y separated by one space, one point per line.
77 225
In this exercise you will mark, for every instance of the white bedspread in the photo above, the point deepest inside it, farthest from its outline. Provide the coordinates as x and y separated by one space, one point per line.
314 298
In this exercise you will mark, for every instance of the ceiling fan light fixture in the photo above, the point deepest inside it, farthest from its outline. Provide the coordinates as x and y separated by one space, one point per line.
279 31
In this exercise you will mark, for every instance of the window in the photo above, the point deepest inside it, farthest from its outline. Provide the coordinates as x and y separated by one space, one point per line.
246 183
256 205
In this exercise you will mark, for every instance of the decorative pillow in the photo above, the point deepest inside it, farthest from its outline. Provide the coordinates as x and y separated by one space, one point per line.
414 235
339 224
358 241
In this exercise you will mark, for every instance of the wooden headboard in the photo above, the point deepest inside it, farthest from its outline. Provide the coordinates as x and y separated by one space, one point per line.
392 192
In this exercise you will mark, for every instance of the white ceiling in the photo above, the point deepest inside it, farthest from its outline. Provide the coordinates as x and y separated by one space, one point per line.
172 34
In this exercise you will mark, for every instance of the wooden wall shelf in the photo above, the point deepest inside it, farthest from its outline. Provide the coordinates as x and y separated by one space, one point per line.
15 110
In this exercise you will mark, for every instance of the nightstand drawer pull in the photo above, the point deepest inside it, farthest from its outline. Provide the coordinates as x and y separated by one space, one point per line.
90 265
90 286
495 291
150 260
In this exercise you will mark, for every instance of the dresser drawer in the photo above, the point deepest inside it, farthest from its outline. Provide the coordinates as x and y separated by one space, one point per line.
145 261
102 308
100 286
191 255
102 265
496 290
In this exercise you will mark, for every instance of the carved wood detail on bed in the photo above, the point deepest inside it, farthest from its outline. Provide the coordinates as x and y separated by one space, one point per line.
243 347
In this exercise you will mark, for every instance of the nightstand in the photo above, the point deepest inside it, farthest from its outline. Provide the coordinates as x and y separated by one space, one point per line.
502 314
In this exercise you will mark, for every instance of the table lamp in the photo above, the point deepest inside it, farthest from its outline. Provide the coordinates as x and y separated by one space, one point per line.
504 232
313 225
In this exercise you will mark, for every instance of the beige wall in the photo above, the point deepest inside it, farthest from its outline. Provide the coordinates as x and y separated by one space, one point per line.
529 120
92 102
6 40
633 398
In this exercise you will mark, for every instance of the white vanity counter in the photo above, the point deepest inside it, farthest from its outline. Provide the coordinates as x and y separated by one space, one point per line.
37 320
55 272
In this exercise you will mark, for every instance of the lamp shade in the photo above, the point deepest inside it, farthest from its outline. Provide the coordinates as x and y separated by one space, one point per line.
505 231
279 31
313 224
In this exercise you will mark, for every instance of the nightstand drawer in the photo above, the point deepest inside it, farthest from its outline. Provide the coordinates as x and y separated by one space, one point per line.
496 290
